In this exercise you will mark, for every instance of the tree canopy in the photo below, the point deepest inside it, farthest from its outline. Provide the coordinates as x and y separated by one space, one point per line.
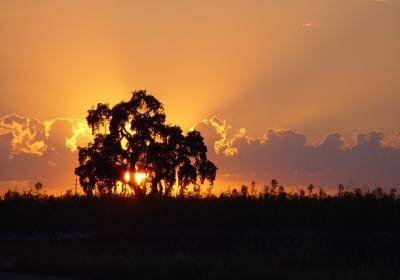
133 137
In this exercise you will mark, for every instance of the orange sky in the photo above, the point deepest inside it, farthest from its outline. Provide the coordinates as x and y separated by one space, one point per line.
306 65
313 66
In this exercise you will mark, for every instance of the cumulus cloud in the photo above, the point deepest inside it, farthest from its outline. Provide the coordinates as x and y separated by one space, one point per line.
81 133
31 150
280 153
224 137
30 136
27 134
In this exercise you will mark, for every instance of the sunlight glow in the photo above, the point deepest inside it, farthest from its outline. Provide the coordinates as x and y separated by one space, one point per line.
127 176
140 177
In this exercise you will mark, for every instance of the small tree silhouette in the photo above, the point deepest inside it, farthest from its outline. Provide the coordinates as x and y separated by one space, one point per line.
235 193
378 193
310 189
253 188
392 193
274 186
321 193
358 193
340 190
244 191
281 192
38 186
266 189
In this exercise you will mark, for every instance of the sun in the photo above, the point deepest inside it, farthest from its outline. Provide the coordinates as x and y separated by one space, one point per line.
140 177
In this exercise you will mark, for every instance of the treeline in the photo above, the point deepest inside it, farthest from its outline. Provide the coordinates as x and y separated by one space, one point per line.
273 190
276 190
246 208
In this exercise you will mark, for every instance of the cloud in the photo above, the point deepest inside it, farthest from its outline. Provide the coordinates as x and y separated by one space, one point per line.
281 153
309 24
30 136
81 133
225 134
27 134
392 140
31 150
379 1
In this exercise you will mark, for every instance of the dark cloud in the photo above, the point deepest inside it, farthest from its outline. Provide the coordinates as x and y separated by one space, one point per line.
285 154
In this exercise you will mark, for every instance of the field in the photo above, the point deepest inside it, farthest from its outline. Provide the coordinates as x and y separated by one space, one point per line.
237 237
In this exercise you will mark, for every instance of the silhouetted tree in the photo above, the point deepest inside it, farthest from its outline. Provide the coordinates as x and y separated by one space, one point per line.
244 190
358 193
340 190
253 188
392 193
38 186
235 193
321 193
378 193
274 186
266 189
281 192
310 189
133 137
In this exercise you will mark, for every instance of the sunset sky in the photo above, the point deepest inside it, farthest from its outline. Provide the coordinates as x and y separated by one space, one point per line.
307 91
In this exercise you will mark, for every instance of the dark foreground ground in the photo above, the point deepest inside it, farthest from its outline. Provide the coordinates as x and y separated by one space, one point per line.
230 238
30 276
